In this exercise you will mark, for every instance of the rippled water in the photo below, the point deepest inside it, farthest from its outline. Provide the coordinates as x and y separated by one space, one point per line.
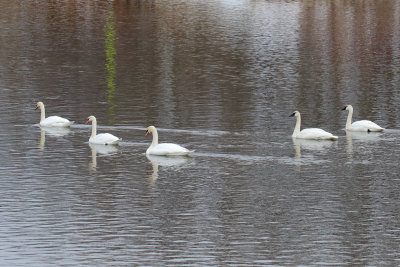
218 77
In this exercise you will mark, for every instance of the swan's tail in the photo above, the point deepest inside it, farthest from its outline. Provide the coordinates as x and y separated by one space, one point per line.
334 138
115 142
376 130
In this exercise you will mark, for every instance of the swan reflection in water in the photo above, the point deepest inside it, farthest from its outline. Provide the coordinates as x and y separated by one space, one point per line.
101 149
51 131
361 137
315 145
163 162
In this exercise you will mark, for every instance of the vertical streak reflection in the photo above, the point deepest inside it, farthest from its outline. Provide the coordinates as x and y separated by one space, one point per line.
111 62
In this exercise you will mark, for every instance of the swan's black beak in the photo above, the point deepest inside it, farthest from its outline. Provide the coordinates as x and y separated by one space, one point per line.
147 132
292 115
344 108
36 107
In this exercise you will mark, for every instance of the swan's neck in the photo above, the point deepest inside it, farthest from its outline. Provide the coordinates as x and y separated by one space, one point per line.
155 138
42 113
348 123
94 128
297 127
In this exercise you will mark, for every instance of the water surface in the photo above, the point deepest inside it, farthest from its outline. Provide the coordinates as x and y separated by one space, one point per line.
218 77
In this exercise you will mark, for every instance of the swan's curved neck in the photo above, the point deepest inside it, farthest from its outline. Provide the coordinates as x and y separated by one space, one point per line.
297 127
94 128
42 113
155 138
348 123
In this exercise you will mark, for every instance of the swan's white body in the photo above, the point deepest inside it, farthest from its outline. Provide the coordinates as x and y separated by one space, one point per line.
52 121
165 149
360 126
103 138
310 133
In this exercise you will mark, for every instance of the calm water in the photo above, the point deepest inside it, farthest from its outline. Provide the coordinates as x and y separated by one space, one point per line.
218 77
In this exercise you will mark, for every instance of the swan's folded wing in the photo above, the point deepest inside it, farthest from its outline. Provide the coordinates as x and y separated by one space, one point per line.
105 139
365 126
316 134
169 149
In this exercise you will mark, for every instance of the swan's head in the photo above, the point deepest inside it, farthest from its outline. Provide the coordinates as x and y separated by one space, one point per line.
348 107
38 105
150 129
90 118
295 114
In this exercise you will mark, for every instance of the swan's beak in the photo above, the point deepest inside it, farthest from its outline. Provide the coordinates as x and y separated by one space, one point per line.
292 115
147 132
36 107
344 108
87 121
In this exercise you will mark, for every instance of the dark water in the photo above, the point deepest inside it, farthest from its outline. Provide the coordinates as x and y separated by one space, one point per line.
218 77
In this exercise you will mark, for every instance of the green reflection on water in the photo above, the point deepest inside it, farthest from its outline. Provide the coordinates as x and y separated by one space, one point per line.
111 62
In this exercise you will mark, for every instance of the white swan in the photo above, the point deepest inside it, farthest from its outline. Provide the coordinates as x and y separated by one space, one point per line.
310 133
52 121
166 149
103 138
360 126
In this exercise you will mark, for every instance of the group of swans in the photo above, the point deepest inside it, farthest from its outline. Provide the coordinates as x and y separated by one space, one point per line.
169 149
166 149
319 134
